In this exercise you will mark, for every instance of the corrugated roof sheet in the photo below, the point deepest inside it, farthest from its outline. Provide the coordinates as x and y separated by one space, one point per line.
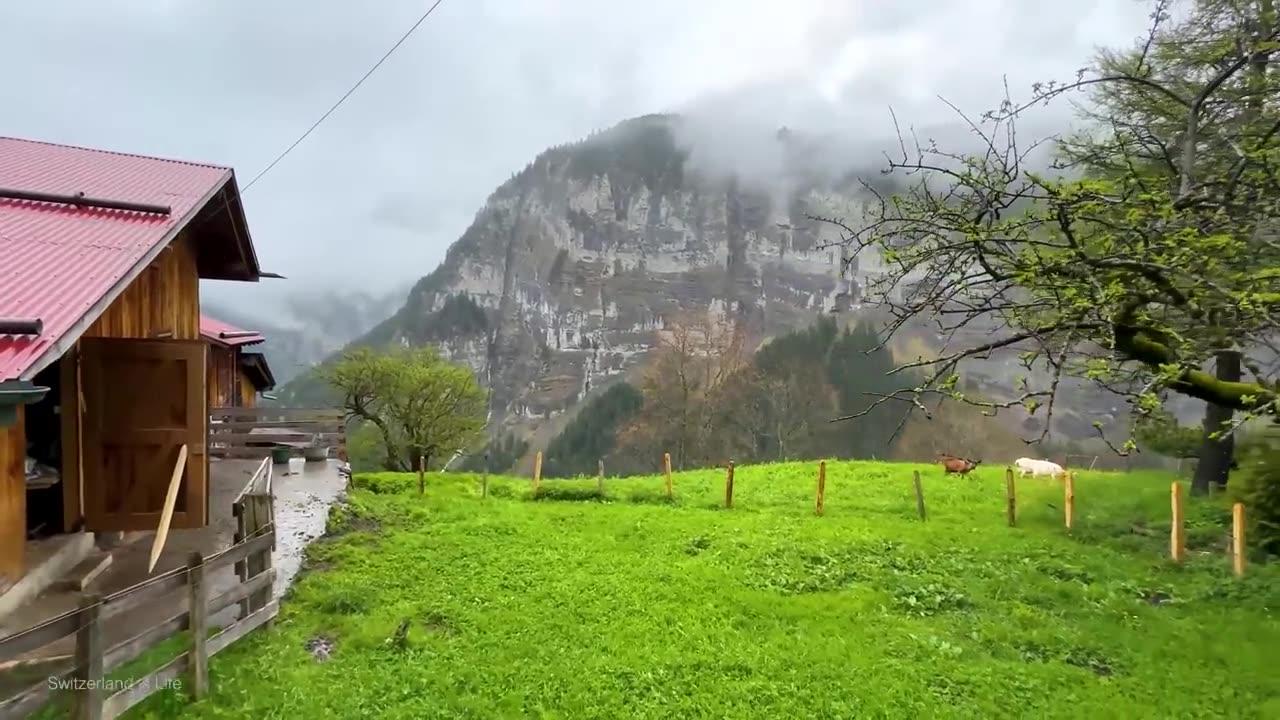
212 329
57 261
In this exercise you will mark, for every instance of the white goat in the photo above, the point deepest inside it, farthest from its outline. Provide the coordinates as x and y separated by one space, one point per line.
1036 468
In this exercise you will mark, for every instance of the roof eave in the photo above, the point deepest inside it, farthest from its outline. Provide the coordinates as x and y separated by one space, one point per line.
230 206
256 365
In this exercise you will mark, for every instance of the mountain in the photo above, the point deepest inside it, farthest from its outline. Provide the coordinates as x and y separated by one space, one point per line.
310 326
559 286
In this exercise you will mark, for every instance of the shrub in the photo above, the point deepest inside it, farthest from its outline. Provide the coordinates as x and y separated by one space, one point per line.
1257 485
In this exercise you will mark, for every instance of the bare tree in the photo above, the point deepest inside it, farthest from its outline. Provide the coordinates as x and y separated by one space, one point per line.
1149 254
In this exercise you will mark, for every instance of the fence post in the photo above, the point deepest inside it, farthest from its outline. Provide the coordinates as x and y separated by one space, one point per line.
822 486
1011 498
919 495
88 698
1177 538
199 620
537 472
600 477
1237 539
728 487
241 567
422 475
666 470
1069 498
264 563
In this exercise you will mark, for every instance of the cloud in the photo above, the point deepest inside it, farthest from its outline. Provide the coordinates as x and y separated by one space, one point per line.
375 196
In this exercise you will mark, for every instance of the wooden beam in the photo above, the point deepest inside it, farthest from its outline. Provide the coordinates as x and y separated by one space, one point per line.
231 413
1177 535
1237 539
822 487
37 637
239 629
170 501
89 656
199 614
232 555
143 592
1010 498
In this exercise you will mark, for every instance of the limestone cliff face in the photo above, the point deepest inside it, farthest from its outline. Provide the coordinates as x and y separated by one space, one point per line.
559 285
582 256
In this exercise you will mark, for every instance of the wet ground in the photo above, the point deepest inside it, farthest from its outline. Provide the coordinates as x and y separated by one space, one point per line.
303 494
302 501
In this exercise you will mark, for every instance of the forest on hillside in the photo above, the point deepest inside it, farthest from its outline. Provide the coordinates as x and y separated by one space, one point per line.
705 399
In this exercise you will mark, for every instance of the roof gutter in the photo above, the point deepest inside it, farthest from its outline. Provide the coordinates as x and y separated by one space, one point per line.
14 393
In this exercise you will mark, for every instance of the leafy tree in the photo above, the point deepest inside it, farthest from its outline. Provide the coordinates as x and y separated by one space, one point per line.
1160 433
421 405
1154 257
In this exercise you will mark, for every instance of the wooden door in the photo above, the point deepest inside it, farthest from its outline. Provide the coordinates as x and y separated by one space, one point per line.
143 400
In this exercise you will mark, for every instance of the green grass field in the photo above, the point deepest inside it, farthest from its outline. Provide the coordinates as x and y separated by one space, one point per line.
570 606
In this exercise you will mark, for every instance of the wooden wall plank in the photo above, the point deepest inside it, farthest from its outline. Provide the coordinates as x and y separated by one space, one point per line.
69 404
248 393
13 501
164 298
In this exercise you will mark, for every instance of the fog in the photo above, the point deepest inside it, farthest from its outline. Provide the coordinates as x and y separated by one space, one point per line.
375 196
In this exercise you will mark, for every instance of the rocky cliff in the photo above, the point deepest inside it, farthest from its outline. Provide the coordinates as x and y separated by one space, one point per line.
580 257
559 284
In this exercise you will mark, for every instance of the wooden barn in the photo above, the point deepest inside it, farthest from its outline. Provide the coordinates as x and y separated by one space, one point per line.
236 377
102 357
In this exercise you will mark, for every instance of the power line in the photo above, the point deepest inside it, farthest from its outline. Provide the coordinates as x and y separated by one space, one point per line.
345 95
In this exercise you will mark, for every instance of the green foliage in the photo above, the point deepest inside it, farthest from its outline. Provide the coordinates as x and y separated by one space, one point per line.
420 404
365 451
641 152
1147 252
1160 433
627 607
1257 485
501 452
592 434
702 405
459 316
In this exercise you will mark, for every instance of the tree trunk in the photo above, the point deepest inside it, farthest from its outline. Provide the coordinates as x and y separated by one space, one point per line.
392 460
1216 454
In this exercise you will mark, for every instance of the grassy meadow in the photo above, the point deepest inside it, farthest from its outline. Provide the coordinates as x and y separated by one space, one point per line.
575 606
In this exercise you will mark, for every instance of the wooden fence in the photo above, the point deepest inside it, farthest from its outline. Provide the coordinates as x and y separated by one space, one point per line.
254 511
1177 547
251 432
87 681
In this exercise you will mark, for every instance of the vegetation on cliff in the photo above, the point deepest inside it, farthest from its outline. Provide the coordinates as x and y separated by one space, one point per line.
703 399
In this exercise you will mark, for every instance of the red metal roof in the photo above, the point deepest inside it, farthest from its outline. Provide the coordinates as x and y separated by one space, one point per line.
57 262
211 329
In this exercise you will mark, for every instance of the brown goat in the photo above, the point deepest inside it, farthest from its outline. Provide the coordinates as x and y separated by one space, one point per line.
960 466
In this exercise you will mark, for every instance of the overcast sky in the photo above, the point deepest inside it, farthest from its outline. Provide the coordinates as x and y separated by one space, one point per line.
375 196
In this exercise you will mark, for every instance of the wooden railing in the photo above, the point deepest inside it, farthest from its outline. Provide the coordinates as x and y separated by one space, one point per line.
87 681
253 432
255 511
